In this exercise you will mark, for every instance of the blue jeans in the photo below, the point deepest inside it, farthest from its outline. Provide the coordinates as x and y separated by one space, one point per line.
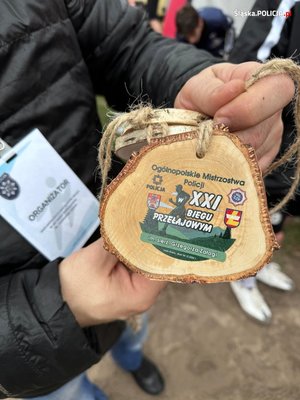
78 388
127 353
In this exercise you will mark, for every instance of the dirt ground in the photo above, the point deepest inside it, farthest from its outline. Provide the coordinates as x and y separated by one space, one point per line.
208 349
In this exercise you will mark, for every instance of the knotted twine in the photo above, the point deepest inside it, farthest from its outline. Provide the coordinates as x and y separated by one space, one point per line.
141 117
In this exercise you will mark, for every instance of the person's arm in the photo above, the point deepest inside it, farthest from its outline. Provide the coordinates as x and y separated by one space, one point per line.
55 320
127 54
127 60
41 344
154 21
156 25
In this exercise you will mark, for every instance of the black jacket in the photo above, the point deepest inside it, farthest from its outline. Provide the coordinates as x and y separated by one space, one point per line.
264 37
54 56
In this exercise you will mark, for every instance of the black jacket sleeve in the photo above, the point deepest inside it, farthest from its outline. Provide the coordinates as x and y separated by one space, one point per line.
41 344
127 60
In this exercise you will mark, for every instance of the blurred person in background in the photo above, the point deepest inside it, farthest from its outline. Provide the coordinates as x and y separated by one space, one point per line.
156 10
169 26
262 37
138 3
207 28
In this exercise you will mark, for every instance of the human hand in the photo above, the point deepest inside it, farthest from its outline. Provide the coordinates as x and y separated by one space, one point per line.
253 114
98 288
156 25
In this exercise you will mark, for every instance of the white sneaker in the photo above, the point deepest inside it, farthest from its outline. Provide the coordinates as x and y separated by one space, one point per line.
272 275
252 301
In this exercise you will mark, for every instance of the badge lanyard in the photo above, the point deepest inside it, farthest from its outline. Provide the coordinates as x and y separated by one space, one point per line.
6 152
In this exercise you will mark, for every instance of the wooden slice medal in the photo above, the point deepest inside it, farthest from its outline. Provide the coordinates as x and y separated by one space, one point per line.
171 215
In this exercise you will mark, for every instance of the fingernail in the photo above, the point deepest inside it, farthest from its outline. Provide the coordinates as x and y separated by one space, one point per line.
222 121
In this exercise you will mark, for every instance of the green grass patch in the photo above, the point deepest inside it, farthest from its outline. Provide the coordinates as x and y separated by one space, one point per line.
102 109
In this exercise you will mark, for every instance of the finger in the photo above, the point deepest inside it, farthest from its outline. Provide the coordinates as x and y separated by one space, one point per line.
152 286
259 102
265 161
138 293
138 282
96 250
228 71
265 138
146 291
269 131
206 93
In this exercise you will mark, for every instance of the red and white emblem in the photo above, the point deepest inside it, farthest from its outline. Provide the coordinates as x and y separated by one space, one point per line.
232 218
153 201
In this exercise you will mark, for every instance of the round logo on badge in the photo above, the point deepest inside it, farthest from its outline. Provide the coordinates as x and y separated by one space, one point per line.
237 197
9 188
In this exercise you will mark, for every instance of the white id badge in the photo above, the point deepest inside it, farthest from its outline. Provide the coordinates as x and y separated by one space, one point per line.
43 199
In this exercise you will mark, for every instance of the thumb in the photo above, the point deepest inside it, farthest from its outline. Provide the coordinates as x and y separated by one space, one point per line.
146 290
143 284
206 93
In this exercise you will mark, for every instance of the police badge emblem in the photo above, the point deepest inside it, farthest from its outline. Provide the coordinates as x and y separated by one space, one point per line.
9 188
237 197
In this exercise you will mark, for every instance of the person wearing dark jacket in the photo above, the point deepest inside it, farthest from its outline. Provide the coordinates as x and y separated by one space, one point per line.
57 310
274 31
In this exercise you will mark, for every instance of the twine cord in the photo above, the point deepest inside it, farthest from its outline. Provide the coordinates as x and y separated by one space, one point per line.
154 130
205 131
141 117
136 118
